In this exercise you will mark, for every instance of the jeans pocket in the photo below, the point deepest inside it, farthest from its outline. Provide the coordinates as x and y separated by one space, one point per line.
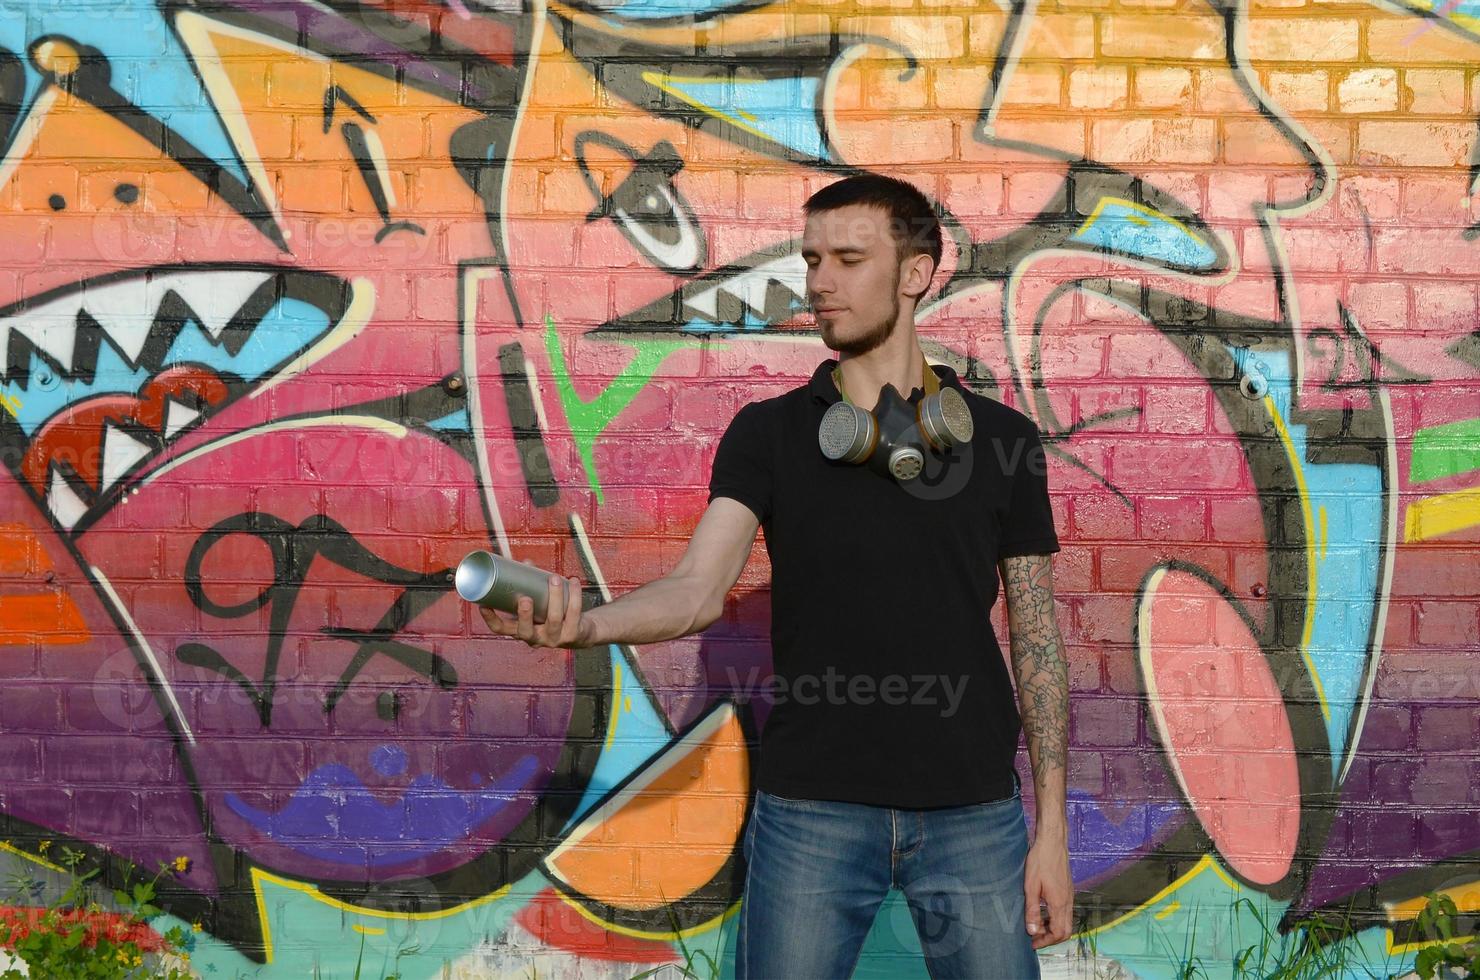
785 801
1016 797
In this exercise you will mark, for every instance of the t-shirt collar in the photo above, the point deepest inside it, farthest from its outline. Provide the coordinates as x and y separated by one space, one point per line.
822 388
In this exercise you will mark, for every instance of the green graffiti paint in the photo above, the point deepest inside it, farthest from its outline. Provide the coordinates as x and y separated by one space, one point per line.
1445 450
589 419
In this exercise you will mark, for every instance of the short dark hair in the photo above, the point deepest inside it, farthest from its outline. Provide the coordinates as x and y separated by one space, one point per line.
912 219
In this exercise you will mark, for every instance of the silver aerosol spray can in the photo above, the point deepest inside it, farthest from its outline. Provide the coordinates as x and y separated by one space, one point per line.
495 582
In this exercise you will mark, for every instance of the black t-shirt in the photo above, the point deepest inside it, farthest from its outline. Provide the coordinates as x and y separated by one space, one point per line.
890 686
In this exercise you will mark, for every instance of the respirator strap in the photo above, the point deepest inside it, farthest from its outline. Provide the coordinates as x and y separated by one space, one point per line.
928 380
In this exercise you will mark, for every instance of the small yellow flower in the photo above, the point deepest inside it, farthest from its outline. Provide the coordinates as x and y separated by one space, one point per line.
182 864
42 846
195 926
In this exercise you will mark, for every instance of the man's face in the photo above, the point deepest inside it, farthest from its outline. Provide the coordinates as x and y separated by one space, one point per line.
853 277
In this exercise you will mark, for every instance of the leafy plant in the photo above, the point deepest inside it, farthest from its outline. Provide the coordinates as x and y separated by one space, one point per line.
1438 920
73 938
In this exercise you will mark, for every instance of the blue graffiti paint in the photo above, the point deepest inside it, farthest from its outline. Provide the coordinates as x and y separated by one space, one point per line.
335 817
289 327
635 734
1100 843
1120 226
748 323
1346 508
148 65
781 110
458 421
389 760
656 9
47 393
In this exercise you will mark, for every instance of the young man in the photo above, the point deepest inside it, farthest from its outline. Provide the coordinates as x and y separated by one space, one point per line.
887 758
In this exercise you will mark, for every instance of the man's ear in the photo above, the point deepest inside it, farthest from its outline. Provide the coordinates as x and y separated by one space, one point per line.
917 271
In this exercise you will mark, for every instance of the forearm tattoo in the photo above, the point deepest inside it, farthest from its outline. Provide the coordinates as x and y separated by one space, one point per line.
1038 661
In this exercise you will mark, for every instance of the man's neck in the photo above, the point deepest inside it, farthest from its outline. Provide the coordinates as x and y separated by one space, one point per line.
897 362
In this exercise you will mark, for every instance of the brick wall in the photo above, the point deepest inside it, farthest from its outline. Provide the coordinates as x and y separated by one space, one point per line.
299 304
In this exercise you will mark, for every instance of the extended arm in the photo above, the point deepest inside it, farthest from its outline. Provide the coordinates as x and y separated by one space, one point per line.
1042 673
686 600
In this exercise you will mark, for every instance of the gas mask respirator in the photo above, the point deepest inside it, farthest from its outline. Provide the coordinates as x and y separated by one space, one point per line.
894 438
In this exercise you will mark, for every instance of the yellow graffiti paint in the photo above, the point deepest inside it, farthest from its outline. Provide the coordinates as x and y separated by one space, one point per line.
664 935
1441 514
740 119
36 859
260 877
1466 898
616 712
1137 214
1204 865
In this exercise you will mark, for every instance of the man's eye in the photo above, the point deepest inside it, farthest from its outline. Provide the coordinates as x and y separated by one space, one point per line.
647 207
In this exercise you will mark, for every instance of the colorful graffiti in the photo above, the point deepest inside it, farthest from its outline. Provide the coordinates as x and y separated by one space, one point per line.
302 301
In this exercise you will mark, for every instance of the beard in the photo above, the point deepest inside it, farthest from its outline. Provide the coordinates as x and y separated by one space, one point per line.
874 336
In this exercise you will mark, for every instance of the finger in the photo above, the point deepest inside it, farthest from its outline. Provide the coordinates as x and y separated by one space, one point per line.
1045 934
526 619
1061 917
549 631
497 623
570 620
1034 915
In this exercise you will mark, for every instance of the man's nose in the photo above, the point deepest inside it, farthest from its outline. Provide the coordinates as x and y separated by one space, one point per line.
818 282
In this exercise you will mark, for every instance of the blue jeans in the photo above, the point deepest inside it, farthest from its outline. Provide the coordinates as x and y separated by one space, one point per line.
819 870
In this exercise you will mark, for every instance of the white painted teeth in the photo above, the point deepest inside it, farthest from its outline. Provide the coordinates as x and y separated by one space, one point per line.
705 303
752 286
66 507
177 415
216 298
126 310
121 453
53 329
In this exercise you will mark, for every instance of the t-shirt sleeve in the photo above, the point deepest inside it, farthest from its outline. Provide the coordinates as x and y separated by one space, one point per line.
1028 528
742 463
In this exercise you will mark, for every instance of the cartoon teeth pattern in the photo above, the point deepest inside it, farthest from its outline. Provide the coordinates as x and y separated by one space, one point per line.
64 503
177 416
113 369
121 452
768 292
126 311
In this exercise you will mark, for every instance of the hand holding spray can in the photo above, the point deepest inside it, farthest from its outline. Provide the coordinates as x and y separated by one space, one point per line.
489 580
